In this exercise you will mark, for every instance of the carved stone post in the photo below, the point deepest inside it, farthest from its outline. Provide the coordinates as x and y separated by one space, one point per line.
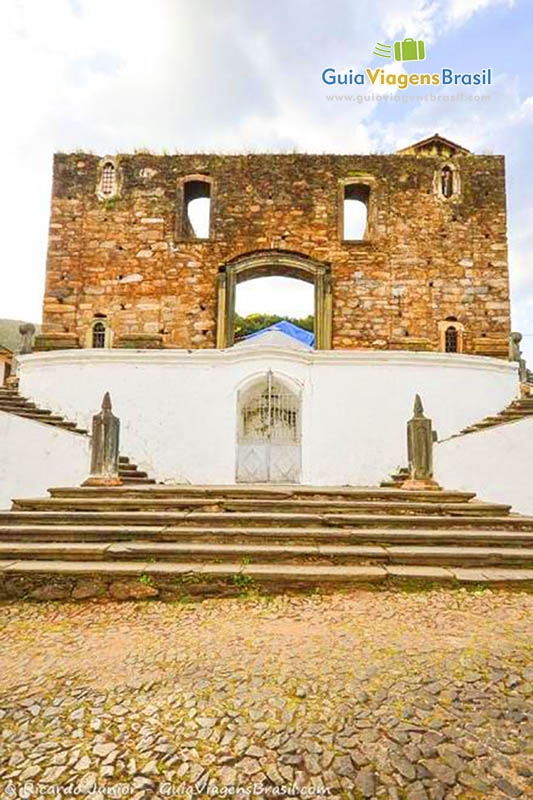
105 447
27 331
515 354
420 438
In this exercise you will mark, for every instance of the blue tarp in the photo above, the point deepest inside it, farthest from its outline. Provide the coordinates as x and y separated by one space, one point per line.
289 329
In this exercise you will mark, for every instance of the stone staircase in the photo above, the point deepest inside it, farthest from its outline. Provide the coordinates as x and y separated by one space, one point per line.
171 541
12 403
130 473
518 409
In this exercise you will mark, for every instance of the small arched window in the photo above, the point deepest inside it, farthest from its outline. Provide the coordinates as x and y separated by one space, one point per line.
446 181
450 340
451 334
109 179
99 334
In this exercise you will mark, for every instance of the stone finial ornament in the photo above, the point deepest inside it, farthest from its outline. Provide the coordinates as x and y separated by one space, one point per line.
515 352
420 438
105 447
27 331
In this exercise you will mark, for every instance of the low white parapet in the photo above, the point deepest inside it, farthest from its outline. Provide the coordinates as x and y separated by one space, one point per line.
496 463
179 414
35 456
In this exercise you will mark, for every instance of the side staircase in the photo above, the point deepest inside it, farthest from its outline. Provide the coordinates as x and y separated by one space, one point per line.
518 409
13 403
175 539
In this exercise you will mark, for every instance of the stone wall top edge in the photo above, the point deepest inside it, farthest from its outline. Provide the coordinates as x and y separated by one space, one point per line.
169 358
284 156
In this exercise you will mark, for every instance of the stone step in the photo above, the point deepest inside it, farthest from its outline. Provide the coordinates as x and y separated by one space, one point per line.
260 519
248 491
30 532
136 481
230 506
23 411
282 575
288 553
14 403
132 473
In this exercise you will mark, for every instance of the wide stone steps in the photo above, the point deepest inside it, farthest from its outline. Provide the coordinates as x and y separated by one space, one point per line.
257 535
228 519
267 551
276 576
259 493
275 535
245 508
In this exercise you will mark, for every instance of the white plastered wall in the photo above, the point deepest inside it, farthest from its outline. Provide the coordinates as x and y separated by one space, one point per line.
35 456
496 463
178 409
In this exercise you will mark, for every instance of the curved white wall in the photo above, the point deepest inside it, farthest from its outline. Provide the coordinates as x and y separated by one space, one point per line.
178 408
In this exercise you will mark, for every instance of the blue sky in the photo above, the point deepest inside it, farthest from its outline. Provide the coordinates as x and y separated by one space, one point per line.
240 75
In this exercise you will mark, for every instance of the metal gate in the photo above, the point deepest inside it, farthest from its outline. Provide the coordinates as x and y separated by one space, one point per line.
269 440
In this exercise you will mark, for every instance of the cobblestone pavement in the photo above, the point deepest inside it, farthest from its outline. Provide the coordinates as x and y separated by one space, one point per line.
368 694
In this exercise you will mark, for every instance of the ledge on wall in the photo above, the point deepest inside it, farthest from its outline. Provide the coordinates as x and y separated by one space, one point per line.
412 343
497 347
236 354
56 341
140 341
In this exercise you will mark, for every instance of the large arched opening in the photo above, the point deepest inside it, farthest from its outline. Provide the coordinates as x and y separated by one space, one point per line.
271 263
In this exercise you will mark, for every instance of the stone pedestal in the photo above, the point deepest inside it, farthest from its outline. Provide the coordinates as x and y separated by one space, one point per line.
420 439
105 448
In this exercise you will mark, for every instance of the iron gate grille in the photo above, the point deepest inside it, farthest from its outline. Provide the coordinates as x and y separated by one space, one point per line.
269 434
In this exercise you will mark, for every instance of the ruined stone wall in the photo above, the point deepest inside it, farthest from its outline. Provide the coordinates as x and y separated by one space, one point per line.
425 258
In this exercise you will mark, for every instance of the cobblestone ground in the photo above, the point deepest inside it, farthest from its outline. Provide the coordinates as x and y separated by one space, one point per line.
368 694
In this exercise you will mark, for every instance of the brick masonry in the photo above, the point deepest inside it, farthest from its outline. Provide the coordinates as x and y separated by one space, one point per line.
425 258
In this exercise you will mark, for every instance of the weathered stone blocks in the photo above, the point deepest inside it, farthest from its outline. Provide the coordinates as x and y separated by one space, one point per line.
448 257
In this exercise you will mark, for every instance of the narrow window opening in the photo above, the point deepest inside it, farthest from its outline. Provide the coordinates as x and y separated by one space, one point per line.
108 183
196 209
446 181
450 340
99 334
355 212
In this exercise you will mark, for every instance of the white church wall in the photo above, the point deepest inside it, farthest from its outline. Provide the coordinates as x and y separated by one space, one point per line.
178 409
496 463
35 456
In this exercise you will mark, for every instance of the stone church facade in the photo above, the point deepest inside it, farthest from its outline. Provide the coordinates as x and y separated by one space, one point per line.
126 267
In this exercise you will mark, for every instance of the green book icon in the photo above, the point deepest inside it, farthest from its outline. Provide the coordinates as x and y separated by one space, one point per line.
409 50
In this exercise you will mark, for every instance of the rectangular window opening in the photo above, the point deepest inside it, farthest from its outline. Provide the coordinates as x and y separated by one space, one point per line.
196 209
355 212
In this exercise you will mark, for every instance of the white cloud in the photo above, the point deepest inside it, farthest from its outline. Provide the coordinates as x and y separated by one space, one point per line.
459 11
